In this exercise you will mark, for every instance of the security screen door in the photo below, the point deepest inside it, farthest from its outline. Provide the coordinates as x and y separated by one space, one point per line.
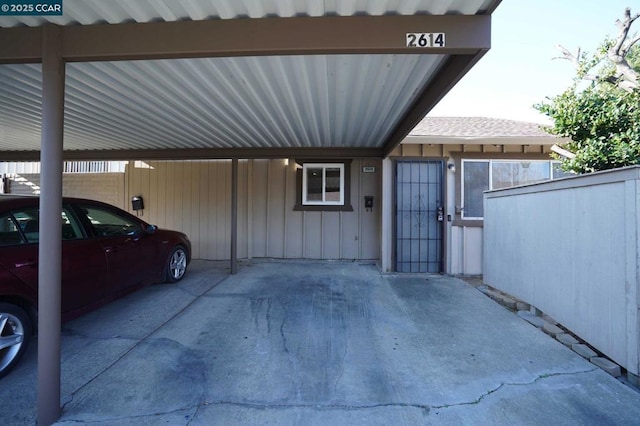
419 216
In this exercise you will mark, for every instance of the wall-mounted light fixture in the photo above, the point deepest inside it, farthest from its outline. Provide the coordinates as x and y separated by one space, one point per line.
452 167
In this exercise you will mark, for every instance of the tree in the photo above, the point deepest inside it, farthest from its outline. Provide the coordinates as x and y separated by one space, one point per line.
601 120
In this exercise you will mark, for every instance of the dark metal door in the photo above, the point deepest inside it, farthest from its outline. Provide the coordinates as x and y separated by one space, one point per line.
419 216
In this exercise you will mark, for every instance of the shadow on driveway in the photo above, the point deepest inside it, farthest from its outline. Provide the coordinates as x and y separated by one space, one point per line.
316 343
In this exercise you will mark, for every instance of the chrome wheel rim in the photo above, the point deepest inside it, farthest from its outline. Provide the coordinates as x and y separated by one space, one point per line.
11 338
178 264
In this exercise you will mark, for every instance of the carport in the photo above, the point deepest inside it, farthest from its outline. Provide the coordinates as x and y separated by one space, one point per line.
217 80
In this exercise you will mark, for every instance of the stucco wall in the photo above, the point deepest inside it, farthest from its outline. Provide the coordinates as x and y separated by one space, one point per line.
570 247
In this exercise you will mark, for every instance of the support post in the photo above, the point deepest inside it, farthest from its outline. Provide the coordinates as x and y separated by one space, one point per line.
386 246
50 244
234 216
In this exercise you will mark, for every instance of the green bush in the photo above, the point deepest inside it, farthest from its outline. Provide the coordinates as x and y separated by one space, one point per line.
602 123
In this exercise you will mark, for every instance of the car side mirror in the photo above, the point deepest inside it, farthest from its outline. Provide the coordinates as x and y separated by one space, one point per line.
151 229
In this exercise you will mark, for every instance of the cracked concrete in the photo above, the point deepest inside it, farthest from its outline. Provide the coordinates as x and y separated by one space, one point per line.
502 385
316 343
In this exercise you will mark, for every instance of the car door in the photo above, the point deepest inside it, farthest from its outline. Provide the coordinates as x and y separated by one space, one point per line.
17 256
131 253
83 266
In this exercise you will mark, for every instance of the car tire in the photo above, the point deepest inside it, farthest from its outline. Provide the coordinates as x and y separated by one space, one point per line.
15 334
176 265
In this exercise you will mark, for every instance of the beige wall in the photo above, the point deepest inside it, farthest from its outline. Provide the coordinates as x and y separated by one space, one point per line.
195 197
464 240
570 247
192 197
105 187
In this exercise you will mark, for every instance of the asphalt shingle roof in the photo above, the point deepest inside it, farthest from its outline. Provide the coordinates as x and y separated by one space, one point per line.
477 127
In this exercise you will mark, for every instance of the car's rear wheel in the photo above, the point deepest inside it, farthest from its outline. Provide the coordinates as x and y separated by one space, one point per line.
176 265
15 332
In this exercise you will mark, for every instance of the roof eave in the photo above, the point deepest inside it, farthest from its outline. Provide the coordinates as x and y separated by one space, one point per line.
493 140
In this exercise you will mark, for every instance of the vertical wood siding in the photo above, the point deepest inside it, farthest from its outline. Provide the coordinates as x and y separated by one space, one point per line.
259 212
463 248
195 197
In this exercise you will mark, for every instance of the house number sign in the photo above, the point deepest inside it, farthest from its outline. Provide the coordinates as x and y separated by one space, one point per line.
425 40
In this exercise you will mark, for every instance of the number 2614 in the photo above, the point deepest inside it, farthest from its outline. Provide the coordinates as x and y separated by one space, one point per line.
425 40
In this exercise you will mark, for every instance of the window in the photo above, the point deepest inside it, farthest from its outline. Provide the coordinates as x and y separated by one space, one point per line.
107 223
558 172
482 175
9 234
29 222
323 184
71 230
476 181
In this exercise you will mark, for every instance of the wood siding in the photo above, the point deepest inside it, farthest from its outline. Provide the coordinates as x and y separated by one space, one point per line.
195 197
463 247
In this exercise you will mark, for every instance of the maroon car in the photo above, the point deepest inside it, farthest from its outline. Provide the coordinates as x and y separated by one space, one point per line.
106 253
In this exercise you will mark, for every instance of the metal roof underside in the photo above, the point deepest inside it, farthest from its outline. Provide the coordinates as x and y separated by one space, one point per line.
237 99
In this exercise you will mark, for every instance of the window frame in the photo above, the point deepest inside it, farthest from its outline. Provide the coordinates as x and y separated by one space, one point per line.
462 184
305 184
490 162
109 230
302 204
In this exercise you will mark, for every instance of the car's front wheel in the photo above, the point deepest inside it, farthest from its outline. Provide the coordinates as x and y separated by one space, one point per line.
176 265
15 332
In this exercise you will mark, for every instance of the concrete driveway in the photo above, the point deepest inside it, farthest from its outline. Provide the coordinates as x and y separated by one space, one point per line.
316 343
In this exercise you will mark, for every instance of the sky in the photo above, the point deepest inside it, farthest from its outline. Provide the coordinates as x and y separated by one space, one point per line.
519 70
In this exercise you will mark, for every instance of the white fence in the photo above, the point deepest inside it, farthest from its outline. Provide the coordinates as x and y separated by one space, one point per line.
571 248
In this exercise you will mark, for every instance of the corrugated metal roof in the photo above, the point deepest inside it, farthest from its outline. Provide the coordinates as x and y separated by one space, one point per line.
281 101
88 12
266 101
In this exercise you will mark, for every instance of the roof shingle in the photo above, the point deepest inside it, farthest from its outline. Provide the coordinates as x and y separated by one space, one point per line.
477 127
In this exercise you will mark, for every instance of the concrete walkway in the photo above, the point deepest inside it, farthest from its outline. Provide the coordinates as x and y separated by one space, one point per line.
316 343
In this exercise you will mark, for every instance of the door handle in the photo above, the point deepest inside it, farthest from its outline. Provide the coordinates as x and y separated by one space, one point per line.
440 213
27 263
